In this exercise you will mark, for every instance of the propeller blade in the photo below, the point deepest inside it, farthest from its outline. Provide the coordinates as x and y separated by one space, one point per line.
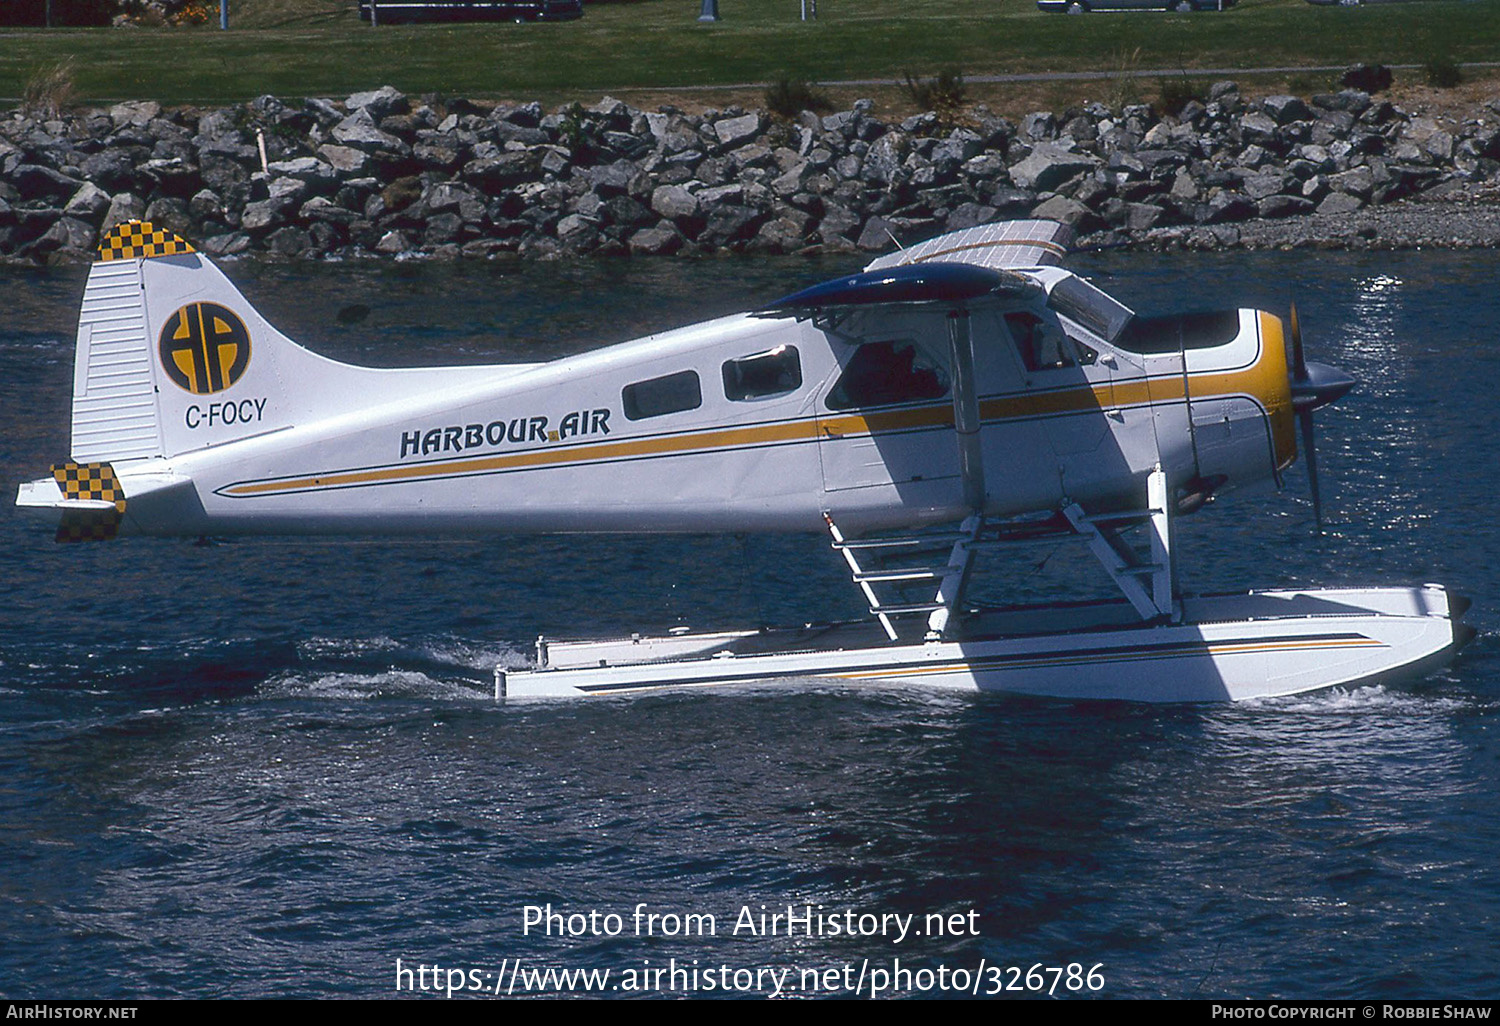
1306 419
1299 361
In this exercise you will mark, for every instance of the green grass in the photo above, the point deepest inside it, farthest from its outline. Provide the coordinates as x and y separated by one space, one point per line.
298 48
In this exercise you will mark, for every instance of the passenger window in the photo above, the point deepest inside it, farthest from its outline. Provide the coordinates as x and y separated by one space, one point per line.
1043 346
775 372
659 396
880 373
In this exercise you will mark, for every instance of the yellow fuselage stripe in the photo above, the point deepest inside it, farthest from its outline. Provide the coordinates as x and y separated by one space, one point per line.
1265 380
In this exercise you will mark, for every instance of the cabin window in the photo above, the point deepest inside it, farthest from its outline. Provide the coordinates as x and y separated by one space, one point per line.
1044 346
657 397
775 372
1083 304
880 373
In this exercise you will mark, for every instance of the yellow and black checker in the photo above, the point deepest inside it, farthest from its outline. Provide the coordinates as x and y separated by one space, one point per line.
132 239
95 481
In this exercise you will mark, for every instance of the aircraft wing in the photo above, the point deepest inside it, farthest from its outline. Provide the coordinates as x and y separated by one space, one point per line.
1006 244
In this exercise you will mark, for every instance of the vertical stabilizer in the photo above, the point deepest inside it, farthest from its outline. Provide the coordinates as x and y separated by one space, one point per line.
114 397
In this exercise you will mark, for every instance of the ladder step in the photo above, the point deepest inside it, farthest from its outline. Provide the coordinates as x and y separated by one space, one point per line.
877 576
1107 518
925 541
914 607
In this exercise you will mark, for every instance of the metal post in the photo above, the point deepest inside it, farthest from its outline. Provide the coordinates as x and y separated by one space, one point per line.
48 15
966 422
224 14
374 17
710 11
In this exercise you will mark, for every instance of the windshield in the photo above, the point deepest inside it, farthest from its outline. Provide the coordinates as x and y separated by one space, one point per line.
1080 302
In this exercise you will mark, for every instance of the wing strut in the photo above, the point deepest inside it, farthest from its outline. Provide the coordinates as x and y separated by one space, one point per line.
966 410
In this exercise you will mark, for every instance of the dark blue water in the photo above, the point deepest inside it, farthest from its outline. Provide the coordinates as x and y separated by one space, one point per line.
271 768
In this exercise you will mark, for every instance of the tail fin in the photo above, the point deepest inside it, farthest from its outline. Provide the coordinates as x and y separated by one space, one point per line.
171 358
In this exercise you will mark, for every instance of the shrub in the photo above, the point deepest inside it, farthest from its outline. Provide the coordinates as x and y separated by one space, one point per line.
788 97
944 93
1442 73
49 90
1177 93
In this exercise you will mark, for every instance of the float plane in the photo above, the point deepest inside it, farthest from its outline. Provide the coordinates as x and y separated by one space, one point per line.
962 394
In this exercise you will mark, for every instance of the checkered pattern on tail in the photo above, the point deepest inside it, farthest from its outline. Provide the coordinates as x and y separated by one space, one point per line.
132 239
94 481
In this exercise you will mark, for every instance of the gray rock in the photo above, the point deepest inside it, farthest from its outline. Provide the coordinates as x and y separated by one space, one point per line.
1284 206
360 131
1229 206
205 205
346 160
1038 126
656 241
1359 181
879 235
1069 212
88 203
503 172
262 215
618 178
69 235
729 223
36 182
323 209
228 244
312 172
379 103
784 234
393 242
733 132
578 233
1339 203
135 112
1354 101
123 207
1268 183
289 242
1048 167
1285 109
675 203
970 215
1220 91
1258 127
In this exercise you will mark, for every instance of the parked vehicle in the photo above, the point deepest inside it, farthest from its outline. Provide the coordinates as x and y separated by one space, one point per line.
393 12
1085 6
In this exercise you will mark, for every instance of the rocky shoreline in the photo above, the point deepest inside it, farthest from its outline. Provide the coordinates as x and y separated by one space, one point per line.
383 174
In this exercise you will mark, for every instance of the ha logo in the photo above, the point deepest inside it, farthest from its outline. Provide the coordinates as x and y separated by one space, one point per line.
204 348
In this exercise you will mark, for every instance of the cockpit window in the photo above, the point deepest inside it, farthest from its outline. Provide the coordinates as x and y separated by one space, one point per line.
1043 346
775 372
1083 304
880 373
1174 332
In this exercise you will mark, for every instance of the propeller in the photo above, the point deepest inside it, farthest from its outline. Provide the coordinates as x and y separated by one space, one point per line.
1314 385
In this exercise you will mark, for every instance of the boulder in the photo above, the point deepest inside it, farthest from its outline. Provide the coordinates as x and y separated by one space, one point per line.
1048 167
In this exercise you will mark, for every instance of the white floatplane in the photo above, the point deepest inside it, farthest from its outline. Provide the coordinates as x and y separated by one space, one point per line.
964 393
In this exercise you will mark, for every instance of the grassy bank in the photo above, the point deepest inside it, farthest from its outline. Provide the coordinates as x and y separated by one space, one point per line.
318 47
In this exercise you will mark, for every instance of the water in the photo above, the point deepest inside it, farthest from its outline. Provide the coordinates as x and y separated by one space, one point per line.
271 768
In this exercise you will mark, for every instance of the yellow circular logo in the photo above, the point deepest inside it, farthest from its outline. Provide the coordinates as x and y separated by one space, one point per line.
204 348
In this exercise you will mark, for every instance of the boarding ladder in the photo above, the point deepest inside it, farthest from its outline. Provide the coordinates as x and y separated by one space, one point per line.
1146 580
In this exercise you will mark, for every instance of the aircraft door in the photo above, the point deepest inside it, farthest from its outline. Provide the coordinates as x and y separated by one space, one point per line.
1066 383
887 417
